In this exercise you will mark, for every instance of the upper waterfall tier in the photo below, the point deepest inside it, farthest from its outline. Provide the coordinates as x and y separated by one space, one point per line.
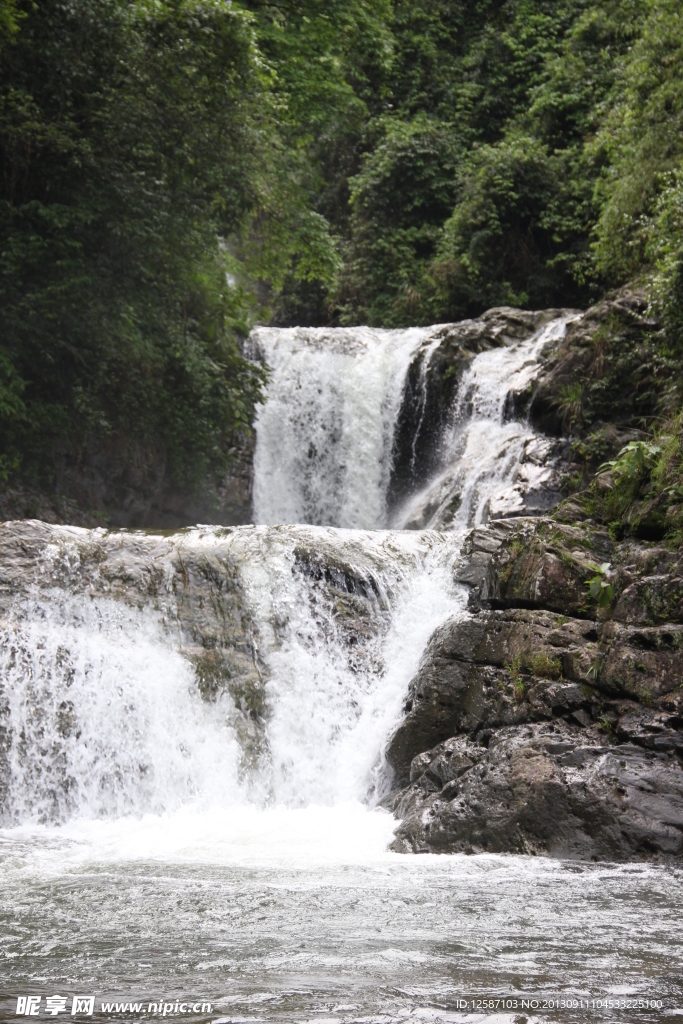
369 428
325 434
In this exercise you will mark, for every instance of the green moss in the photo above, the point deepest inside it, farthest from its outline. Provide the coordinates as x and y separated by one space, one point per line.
604 725
645 498
515 548
567 559
513 667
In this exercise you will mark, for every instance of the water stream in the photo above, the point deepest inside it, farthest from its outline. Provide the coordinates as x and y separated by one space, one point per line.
159 845
489 460
324 436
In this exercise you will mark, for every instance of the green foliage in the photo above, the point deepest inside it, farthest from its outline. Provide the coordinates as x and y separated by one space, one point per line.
542 665
645 493
522 89
514 667
570 404
491 248
634 463
665 252
8 18
329 63
598 587
592 448
399 201
641 139
173 170
538 664
128 148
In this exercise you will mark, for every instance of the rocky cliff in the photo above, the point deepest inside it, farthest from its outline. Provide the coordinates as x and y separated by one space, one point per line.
551 720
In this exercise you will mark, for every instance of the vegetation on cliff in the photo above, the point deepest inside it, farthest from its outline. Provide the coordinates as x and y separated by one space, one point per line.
174 169
129 136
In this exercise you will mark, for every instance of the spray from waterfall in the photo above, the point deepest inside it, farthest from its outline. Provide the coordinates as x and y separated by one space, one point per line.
103 715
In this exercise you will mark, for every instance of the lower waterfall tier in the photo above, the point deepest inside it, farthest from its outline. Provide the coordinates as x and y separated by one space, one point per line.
469 682
255 665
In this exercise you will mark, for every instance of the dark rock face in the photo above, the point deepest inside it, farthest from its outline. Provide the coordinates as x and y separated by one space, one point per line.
606 344
544 723
102 491
546 788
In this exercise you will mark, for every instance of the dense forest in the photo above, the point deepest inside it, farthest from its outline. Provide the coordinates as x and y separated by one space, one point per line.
174 171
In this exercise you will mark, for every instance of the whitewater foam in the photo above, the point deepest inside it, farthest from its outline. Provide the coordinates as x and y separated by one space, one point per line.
325 433
104 717
484 469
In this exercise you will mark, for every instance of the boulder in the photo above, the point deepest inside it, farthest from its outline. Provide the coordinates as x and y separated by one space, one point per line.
546 789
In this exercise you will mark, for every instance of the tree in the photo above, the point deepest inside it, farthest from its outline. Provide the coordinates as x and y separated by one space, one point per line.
130 134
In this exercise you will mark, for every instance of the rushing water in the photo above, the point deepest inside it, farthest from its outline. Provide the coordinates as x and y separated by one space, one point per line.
160 847
489 461
324 437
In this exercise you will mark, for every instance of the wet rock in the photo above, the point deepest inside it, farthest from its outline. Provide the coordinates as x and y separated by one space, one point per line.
599 358
550 789
497 669
566 712
534 490
589 387
436 770
546 564
642 663
479 546
651 588
659 727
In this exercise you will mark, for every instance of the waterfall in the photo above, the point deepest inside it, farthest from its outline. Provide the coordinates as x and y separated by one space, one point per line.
325 433
113 701
489 462
102 714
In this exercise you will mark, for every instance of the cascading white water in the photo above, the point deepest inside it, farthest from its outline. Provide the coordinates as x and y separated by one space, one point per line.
325 433
488 463
163 846
332 705
104 717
